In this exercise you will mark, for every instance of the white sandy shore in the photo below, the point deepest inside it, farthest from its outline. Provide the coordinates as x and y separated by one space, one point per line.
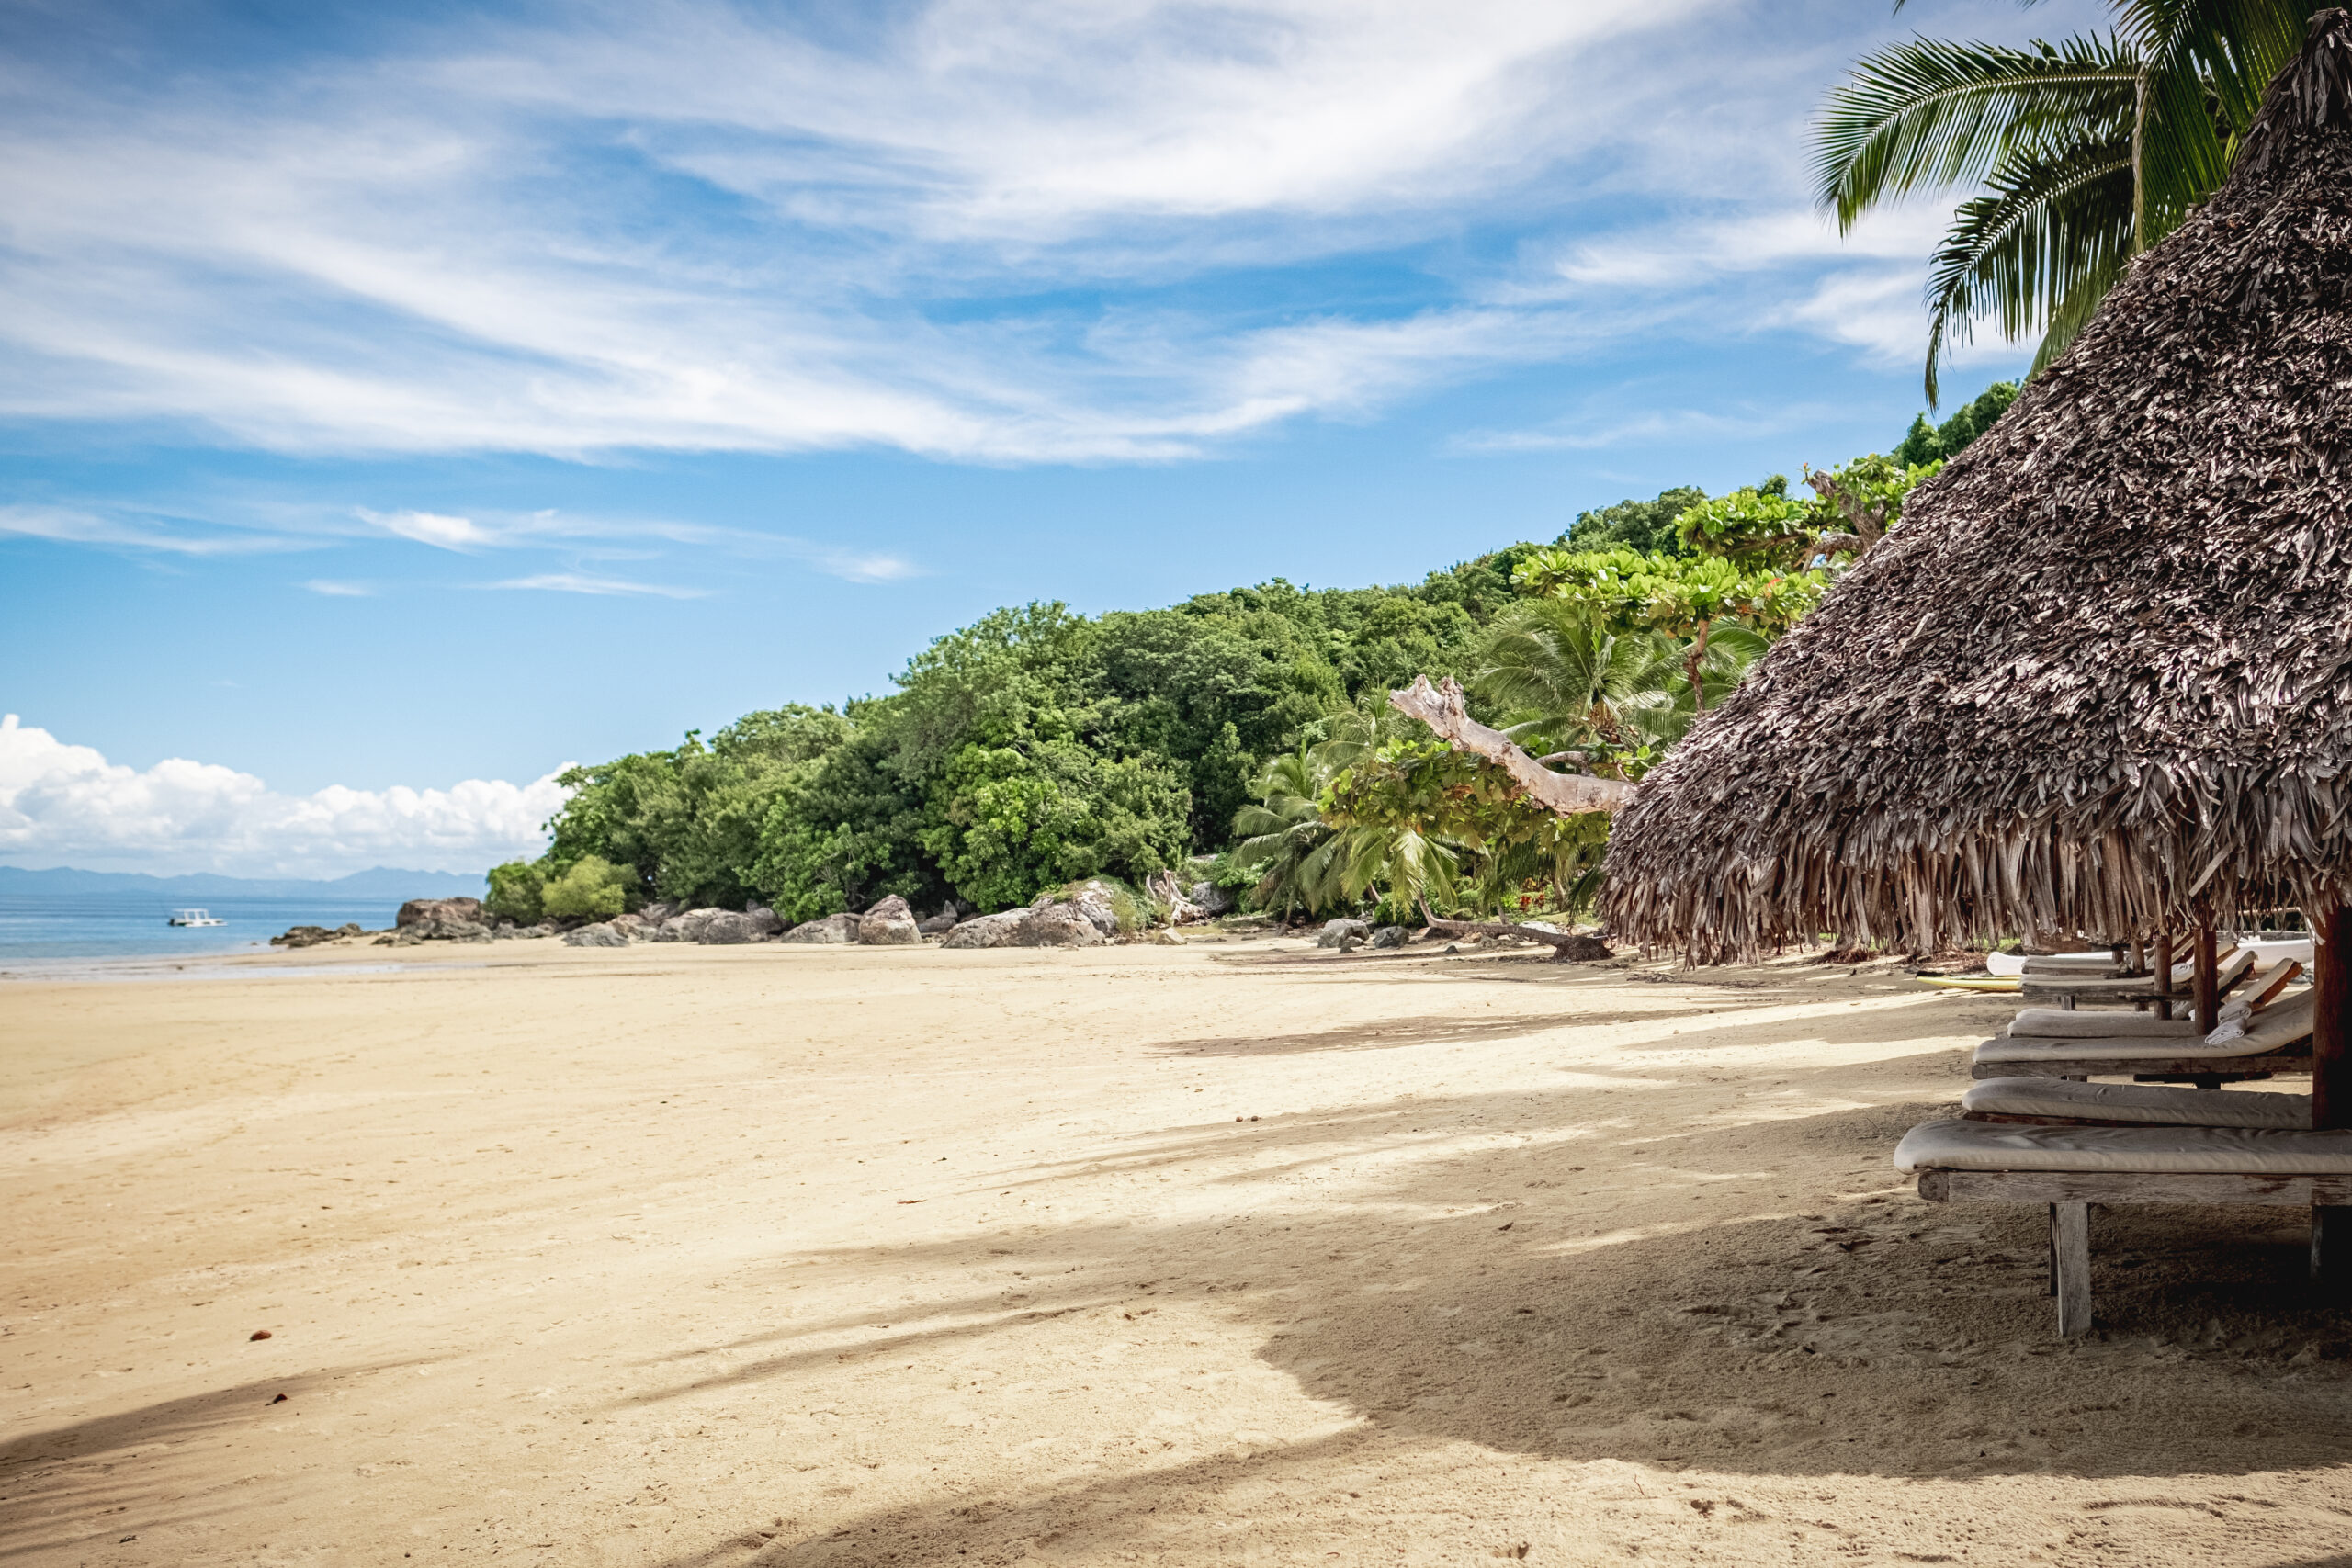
1233 1252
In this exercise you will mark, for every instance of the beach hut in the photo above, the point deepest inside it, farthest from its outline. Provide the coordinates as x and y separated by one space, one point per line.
2101 677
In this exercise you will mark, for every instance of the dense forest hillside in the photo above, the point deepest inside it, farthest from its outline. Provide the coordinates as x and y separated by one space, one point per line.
1037 746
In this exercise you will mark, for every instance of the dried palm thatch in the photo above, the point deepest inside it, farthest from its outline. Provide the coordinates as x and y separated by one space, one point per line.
2102 676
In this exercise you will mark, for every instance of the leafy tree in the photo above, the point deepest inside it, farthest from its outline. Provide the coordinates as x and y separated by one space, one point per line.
2088 151
591 886
1644 526
1014 820
514 892
1719 614
1925 443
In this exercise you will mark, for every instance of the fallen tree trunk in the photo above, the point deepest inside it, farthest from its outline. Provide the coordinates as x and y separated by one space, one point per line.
1441 708
1567 947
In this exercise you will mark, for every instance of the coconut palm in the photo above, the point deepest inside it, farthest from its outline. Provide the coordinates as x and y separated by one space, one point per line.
1558 678
1284 829
2089 151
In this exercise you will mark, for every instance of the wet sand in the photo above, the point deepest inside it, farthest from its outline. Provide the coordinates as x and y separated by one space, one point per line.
1237 1252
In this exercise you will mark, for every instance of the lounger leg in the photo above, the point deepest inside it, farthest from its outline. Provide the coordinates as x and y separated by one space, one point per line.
2070 1247
2049 1282
2331 1245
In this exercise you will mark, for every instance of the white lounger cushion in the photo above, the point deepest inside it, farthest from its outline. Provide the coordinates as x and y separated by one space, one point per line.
2057 1023
2277 1026
2243 1151
2157 1104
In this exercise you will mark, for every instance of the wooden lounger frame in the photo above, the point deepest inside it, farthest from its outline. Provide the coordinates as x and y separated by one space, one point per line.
2205 1072
2069 1194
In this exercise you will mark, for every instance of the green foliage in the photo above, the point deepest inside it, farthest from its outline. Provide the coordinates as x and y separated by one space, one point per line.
591 886
1554 676
1013 820
1929 444
2087 152
1647 527
514 893
1626 591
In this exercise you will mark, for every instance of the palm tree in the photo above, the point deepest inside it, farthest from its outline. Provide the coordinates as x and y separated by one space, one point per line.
1284 829
1559 677
2088 151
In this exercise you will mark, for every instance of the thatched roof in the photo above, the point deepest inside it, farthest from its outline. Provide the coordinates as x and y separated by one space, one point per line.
2102 675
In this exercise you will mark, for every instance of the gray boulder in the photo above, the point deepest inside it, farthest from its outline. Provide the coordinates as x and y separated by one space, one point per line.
1053 925
938 925
437 912
832 928
689 926
1092 903
888 923
603 935
1391 936
1210 899
1336 933
727 929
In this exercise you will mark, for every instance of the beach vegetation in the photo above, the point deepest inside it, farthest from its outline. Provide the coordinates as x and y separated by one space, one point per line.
591 888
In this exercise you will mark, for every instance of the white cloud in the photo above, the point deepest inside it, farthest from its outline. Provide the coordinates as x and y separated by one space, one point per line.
339 590
698 226
68 804
574 582
428 528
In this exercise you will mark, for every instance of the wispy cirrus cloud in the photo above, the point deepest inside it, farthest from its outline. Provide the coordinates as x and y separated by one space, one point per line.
601 587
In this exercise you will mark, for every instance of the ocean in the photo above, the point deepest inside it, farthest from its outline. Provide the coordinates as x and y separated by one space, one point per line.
45 928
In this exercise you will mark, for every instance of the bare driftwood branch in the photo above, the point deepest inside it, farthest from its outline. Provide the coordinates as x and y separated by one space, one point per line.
1441 708
1567 947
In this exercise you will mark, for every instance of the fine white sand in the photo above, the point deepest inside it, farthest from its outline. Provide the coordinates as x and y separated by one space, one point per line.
1236 1252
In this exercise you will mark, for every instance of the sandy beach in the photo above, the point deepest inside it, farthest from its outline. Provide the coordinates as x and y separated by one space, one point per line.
1230 1252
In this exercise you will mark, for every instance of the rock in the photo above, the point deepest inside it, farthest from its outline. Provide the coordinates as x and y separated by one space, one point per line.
1391 936
1093 902
689 926
1210 899
938 925
726 928
654 914
1335 933
430 911
832 928
988 930
1580 949
1052 925
311 936
883 926
603 935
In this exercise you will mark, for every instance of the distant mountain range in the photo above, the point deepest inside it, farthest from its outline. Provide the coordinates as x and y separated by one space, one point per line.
377 881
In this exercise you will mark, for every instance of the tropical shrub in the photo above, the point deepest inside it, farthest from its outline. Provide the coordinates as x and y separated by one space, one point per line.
515 890
591 888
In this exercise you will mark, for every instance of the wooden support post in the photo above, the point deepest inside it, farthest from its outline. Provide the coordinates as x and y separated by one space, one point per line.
2070 1264
2208 982
2164 974
2332 1078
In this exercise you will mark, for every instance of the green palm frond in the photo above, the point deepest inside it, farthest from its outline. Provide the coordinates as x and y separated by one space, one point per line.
1927 114
2047 230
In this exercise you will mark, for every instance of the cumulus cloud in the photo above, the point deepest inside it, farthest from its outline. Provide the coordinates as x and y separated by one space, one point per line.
67 804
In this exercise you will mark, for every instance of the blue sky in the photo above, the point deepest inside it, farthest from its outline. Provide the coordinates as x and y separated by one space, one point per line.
399 402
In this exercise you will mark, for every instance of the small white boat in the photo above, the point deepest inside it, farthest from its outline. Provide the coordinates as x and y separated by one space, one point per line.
195 918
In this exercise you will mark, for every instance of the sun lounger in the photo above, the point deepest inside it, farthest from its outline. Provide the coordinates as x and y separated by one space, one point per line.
2064 1101
2277 1040
2070 1168
2068 990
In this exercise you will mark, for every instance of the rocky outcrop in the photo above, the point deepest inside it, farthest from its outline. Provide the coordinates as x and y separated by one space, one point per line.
1390 936
311 936
1050 925
604 934
889 923
725 928
1091 900
515 933
937 925
831 930
439 919
1210 899
1342 934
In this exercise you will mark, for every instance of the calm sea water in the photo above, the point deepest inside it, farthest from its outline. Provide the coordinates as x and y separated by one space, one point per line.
47 927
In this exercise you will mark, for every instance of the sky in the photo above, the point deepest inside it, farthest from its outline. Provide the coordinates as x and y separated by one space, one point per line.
398 404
